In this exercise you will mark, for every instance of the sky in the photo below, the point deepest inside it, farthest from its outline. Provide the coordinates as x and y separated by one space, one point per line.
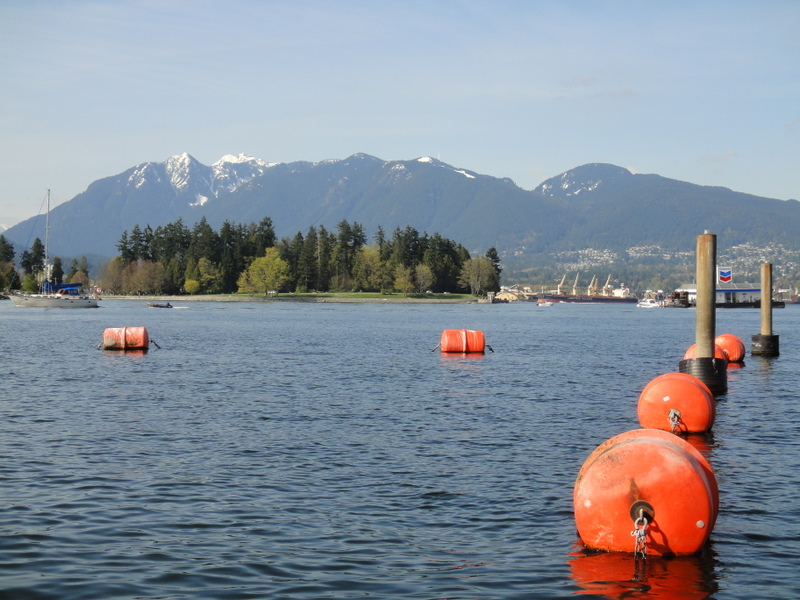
701 91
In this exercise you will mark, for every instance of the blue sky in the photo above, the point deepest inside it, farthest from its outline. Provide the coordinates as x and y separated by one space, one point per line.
702 91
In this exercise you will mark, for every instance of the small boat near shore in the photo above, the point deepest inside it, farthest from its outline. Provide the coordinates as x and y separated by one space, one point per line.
159 305
648 303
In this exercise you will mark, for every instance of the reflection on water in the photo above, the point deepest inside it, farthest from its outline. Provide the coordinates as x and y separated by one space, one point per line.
703 442
618 575
763 366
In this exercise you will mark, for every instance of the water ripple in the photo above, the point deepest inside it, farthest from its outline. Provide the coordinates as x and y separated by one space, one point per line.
308 452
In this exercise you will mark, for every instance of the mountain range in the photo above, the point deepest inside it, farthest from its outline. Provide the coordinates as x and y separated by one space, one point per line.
591 206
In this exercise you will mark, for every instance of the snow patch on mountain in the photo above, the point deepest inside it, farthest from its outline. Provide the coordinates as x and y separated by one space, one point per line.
200 200
233 171
144 174
397 172
437 163
586 178
183 170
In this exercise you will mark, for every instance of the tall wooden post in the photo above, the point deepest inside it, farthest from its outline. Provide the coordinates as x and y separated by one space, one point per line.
706 317
711 371
765 343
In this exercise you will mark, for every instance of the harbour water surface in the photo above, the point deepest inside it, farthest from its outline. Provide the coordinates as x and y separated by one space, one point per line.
309 451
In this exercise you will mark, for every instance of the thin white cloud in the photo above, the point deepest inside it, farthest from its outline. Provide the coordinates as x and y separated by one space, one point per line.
717 160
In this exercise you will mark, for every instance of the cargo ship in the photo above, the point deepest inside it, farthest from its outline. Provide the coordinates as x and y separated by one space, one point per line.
594 293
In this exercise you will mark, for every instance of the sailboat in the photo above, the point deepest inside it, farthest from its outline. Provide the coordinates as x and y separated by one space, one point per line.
67 295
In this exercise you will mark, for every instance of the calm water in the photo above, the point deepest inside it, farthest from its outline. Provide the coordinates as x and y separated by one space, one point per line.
308 451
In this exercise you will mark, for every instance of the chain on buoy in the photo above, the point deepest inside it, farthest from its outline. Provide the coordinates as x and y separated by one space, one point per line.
641 513
674 418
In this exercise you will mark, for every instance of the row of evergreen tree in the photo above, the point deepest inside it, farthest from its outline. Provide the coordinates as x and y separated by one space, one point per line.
175 259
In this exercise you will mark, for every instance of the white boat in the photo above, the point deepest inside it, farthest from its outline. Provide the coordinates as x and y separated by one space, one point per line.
66 295
648 303
63 298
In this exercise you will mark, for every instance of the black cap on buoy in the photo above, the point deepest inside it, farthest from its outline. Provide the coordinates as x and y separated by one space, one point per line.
711 371
765 345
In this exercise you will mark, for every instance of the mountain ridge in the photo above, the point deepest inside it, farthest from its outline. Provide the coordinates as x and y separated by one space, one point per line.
593 205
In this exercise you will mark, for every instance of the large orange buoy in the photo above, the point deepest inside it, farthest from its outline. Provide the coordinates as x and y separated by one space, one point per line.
732 346
649 474
691 352
462 340
663 435
677 402
126 338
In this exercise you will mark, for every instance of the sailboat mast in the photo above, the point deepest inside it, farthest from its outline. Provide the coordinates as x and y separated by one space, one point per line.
47 232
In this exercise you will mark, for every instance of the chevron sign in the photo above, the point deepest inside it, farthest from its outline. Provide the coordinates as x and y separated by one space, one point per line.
724 274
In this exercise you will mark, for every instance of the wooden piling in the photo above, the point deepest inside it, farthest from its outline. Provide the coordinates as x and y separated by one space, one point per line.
711 371
765 343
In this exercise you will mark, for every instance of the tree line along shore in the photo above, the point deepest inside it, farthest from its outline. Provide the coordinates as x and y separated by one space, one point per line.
174 260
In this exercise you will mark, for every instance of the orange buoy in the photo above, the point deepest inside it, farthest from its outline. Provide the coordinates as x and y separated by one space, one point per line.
677 402
691 352
732 346
462 340
664 435
652 474
126 338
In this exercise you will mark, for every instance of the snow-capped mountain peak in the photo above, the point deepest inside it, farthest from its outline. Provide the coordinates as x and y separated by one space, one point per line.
241 159
232 171
586 178
184 171
187 175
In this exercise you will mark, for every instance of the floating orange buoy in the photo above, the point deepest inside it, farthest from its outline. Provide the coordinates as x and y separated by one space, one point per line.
462 340
663 435
691 352
677 402
652 474
732 346
126 338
